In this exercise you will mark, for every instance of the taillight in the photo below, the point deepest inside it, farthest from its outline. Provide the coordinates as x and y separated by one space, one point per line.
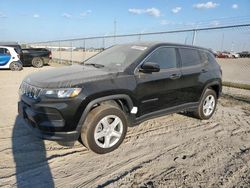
50 55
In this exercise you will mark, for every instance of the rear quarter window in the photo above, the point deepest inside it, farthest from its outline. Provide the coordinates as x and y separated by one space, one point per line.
189 57
204 57
211 58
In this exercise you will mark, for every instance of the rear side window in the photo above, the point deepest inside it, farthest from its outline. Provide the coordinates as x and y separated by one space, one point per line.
164 57
189 57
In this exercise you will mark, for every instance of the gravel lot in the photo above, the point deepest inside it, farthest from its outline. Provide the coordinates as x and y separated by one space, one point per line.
171 151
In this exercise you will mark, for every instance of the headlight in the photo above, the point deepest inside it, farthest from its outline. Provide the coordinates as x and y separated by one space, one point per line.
62 93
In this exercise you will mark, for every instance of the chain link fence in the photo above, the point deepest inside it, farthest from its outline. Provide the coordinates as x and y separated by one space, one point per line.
229 39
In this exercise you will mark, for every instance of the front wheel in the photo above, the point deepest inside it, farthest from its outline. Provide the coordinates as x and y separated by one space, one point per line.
207 105
104 129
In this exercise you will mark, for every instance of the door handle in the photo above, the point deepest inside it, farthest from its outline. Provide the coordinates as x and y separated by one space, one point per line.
175 76
203 70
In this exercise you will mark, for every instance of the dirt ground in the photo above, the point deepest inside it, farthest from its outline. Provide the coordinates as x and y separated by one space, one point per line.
171 151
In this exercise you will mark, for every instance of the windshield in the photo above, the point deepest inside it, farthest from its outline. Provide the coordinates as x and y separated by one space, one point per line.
117 57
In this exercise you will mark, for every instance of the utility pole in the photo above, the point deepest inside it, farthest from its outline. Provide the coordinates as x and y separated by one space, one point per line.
115 30
186 39
222 41
232 46
194 36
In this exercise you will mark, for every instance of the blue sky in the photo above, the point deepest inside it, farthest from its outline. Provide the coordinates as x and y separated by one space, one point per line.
34 20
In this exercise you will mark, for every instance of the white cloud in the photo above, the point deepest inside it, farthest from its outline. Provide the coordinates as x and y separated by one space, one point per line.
85 13
164 22
206 5
2 15
136 11
153 12
67 15
150 11
36 16
167 22
235 6
176 10
215 23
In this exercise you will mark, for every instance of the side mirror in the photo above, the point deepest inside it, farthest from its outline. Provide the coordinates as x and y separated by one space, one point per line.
149 67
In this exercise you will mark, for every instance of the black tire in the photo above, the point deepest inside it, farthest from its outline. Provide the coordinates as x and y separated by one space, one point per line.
199 113
37 62
16 66
94 119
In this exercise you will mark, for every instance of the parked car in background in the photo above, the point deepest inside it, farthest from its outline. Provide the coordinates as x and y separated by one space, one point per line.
122 86
244 54
223 55
226 54
9 59
234 55
37 57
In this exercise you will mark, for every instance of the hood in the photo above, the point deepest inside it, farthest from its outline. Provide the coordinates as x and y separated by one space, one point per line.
68 76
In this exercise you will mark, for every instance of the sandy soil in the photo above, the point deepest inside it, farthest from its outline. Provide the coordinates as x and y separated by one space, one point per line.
235 70
171 151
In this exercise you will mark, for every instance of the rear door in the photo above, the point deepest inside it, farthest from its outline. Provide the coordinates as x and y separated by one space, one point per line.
192 69
159 90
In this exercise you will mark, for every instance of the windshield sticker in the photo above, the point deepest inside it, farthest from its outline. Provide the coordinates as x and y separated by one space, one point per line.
139 47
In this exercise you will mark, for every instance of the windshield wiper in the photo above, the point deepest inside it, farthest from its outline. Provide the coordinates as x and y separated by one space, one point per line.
95 65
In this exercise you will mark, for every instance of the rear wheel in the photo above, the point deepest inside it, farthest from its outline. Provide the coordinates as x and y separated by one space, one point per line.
104 129
207 105
16 66
37 62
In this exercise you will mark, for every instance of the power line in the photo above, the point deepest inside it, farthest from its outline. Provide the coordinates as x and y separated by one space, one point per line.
152 33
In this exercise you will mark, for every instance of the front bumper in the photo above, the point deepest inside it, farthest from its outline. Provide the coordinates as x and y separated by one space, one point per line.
47 122
55 136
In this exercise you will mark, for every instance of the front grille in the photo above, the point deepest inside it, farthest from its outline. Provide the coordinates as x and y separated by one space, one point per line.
30 91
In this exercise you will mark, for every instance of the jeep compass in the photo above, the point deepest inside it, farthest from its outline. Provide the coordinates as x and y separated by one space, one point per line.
94 102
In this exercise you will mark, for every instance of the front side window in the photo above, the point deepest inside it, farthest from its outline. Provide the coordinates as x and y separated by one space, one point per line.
164 57
1 50
189 57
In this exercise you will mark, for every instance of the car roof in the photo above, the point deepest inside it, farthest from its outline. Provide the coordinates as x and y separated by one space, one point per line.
6 47
157 44
8 43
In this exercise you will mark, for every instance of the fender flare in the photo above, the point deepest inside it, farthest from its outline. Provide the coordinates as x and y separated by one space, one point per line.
215 82
98 100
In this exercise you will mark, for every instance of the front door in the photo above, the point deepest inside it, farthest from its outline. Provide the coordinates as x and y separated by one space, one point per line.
159 90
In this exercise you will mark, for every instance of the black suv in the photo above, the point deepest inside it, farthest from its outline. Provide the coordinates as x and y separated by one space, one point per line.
122 86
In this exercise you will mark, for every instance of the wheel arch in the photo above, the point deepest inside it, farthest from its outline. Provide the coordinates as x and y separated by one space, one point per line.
123 100
214 85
